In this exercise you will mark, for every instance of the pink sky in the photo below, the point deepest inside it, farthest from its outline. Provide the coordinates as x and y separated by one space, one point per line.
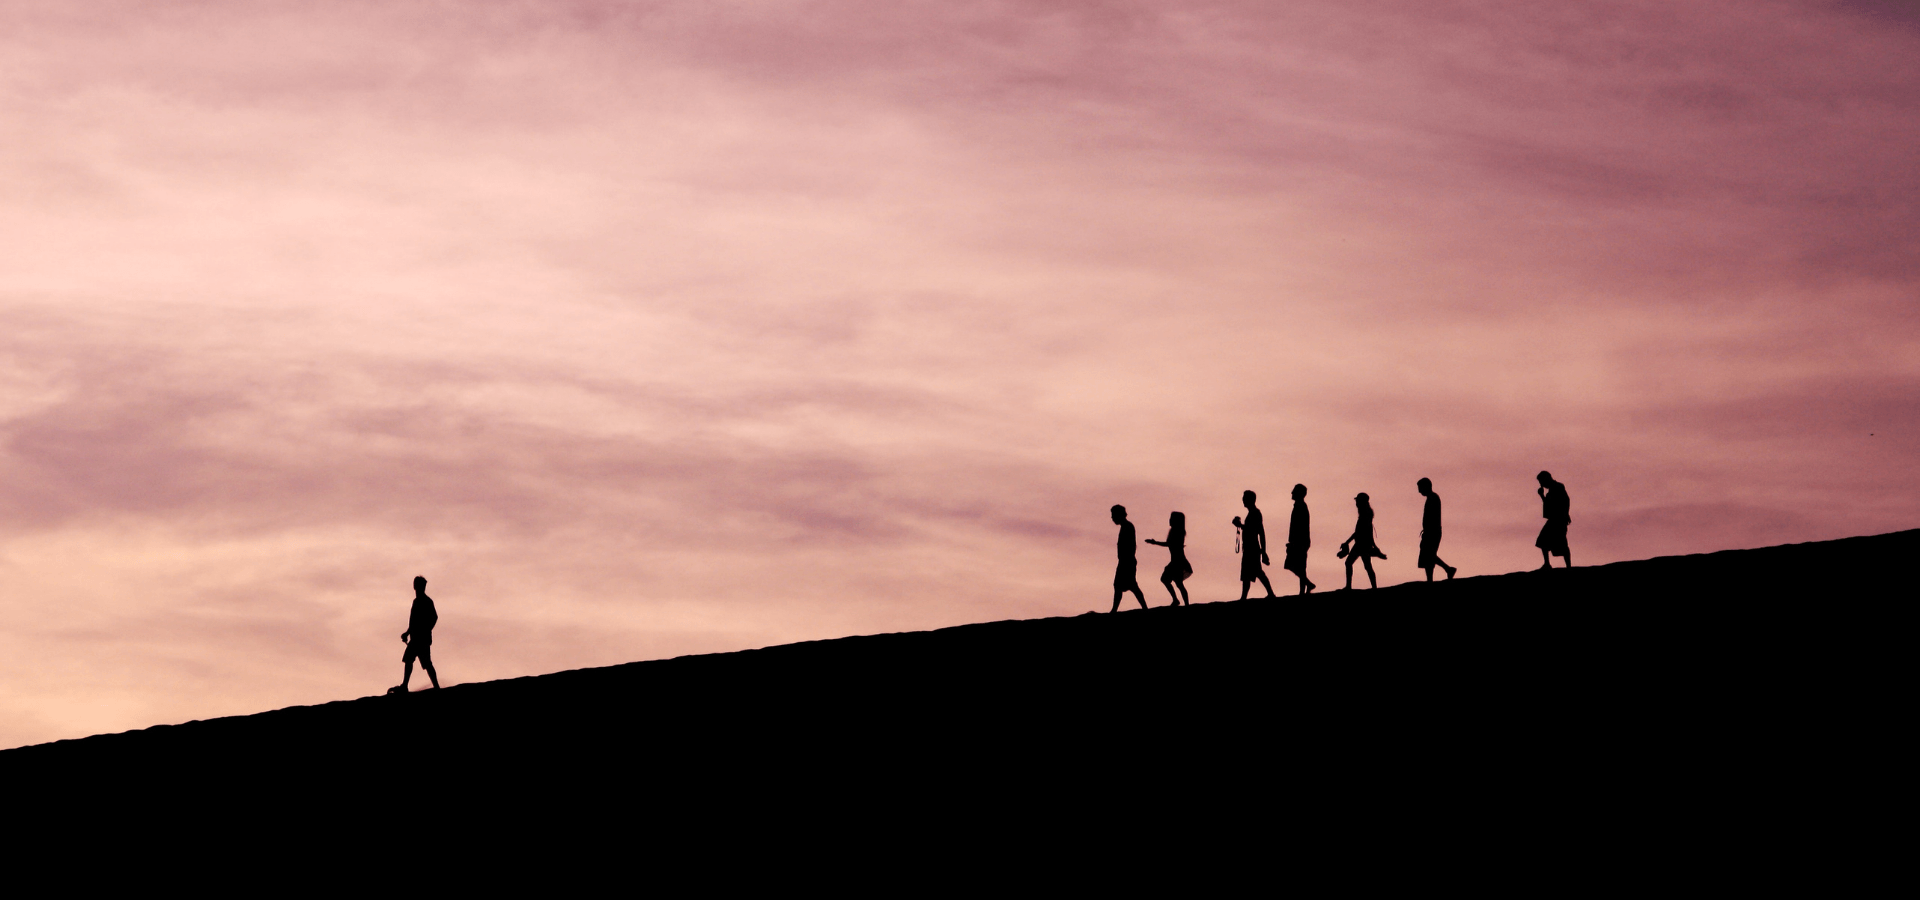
643 329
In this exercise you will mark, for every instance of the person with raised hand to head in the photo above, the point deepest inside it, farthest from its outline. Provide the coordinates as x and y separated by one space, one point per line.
1178 569
1254 547
1126 576
1555 507
1430 532
1361 544
1299 538
419 636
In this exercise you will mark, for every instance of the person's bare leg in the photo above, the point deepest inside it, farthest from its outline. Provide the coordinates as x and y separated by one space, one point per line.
1546 562
1245 586
1268 585
1429 573
1443 565
406 674
1140 597
432 676
1372 582
1569 559
1186 599
1116 600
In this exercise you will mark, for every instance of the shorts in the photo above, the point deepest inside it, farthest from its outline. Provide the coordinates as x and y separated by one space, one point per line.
1126 576
419 649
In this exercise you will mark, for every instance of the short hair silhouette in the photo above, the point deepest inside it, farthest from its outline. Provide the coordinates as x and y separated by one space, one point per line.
1299 539
1554 507
1430 532
418 637
1254 542
1126 569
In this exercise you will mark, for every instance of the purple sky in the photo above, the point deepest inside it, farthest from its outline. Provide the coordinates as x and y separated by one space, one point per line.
644 329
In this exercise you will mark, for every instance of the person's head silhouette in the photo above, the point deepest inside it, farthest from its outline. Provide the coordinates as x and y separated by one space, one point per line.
1425 485
1119 514
1362 500
1177 520
1246 499
1299 492
419 582
1545 478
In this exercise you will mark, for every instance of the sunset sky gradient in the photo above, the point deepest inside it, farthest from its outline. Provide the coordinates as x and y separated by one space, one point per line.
644 329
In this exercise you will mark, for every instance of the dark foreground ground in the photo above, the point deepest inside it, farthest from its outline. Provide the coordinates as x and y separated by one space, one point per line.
1663 694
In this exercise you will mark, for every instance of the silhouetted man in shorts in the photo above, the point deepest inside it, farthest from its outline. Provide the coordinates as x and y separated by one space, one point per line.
1253 537
1299 539
1430 532
1126 575
419 636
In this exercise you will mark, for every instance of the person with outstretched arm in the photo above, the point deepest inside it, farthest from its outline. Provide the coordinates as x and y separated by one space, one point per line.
1178 569
419 636
1554 507
1299 539
1430 532
1126 575
1254 547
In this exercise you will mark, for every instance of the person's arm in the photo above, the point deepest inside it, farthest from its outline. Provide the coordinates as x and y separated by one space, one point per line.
1264 558
406 636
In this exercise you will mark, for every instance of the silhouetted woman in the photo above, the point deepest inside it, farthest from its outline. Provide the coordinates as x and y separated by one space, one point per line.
1299 538
1360 545
1554 507
1177 568
1254 544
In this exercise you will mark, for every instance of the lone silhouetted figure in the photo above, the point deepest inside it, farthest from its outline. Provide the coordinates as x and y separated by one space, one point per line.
1554 507
1254 547
1430 532
419 636
1177 568
1360 545
1126 576
1299 538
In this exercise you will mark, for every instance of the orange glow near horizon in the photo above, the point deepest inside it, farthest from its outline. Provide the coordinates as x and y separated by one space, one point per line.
652 329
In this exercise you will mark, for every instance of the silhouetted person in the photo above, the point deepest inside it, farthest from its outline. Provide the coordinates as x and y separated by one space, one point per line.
1177 568
1360 545
1254 541
1430 532
1554 507
1126 576
419 636
1299 538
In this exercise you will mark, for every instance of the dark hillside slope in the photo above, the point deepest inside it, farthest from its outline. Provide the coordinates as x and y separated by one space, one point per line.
1704 674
